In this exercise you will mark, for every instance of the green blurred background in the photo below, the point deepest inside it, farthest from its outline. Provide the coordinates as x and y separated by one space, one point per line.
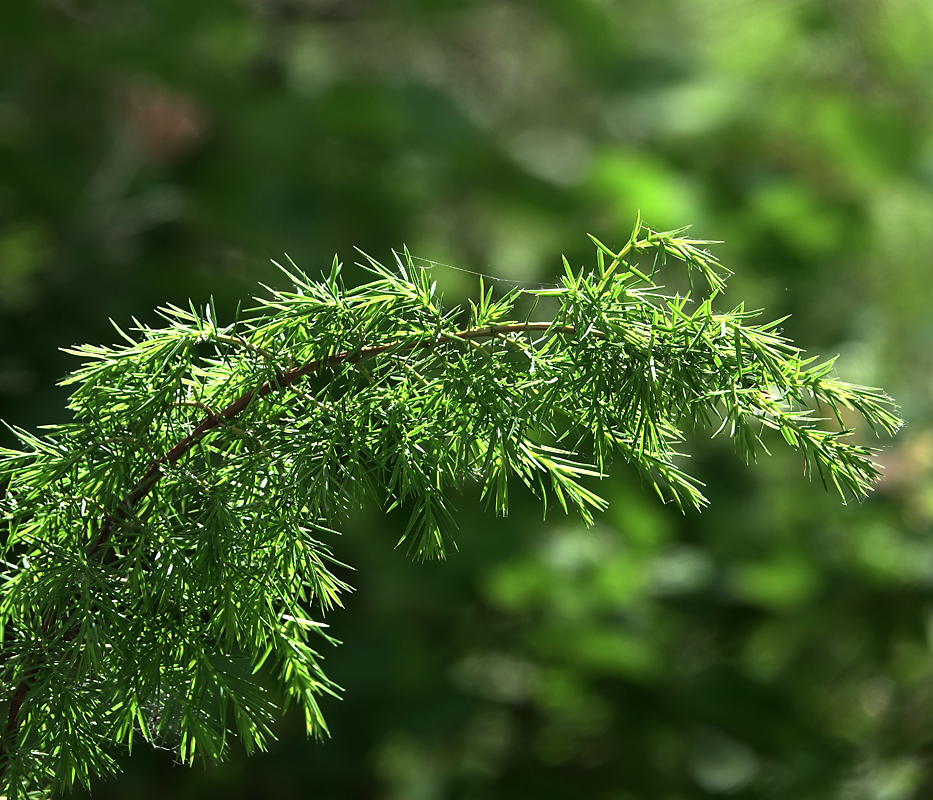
778 645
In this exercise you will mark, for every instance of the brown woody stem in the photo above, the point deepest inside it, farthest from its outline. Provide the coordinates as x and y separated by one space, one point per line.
214 419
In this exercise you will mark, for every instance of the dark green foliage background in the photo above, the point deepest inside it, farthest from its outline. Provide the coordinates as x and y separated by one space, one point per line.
777 645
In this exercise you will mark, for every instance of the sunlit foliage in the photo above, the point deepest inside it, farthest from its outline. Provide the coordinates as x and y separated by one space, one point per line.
166 549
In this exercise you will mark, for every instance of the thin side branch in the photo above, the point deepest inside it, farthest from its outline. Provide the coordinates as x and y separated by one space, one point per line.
215 419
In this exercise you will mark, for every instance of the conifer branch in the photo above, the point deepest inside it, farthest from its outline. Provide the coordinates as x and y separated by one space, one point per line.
142 592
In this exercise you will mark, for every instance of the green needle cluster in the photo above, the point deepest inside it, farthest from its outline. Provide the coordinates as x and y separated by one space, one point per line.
165 551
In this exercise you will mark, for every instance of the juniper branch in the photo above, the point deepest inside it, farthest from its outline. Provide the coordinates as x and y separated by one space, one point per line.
163 546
